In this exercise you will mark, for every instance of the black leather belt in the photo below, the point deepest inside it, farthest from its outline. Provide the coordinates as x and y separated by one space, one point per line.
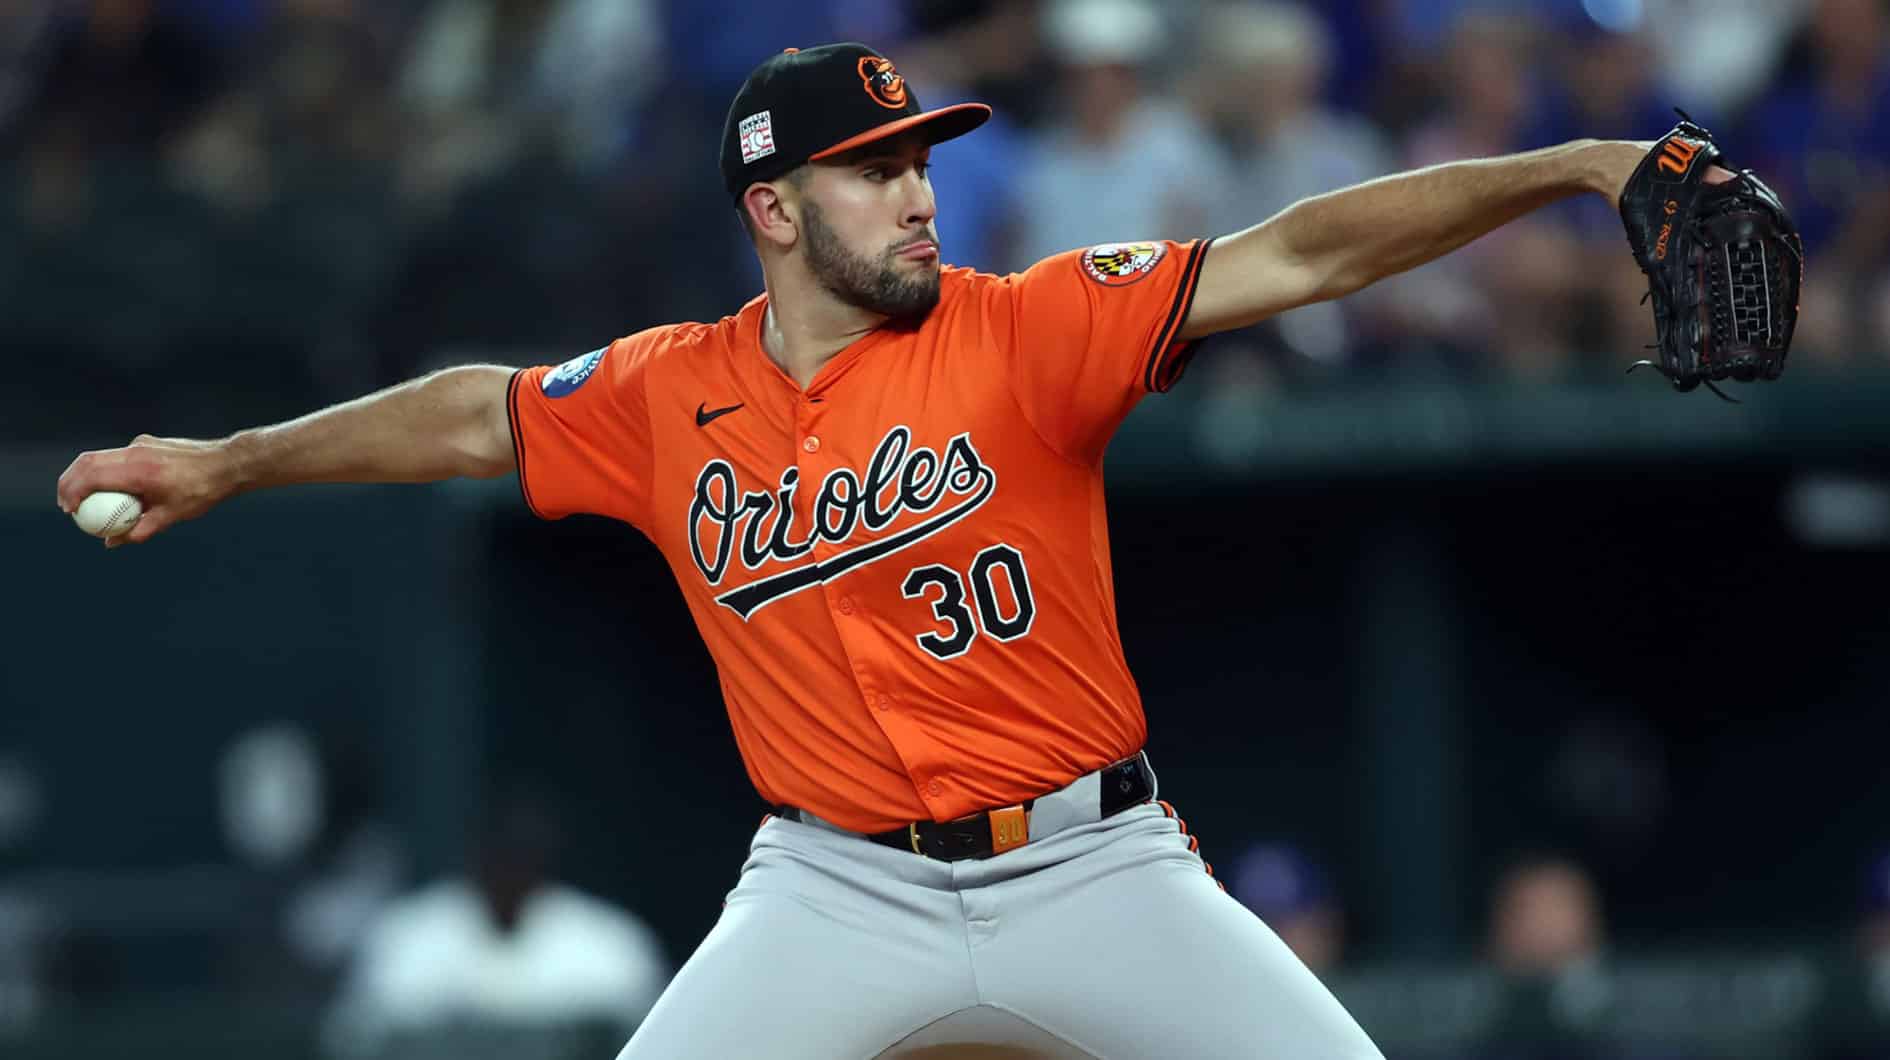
1127 783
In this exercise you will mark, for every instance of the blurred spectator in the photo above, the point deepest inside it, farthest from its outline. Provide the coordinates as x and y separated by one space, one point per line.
123 75
462 80
1545 919
310 108
599 61
1822 139
1362 57
300 159
1546 938
118 81
1607 85
717 42
1715 55
1118 163
1510 297
1490 96
1284 888
1258 86
1000 44
490 82
506 950
304 819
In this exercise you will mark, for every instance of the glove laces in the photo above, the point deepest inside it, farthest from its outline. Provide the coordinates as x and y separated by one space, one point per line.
1661 368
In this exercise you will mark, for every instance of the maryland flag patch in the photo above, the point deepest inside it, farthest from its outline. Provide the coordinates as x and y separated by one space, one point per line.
1121 264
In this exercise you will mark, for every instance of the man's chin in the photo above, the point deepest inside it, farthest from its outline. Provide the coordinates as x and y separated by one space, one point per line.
920 273
911 300
917 306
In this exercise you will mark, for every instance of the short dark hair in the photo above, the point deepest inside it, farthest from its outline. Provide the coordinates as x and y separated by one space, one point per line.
796 176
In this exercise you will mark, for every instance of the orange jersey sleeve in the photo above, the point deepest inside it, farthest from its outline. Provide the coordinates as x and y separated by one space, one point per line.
1095 330
581 433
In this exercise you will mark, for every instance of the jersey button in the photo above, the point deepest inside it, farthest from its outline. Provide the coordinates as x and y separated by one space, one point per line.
846 605
884 702
934 789
812 444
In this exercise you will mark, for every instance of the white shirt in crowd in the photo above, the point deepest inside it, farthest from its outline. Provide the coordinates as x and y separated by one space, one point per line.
436 958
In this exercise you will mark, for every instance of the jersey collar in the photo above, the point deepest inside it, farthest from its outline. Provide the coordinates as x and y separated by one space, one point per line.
766 377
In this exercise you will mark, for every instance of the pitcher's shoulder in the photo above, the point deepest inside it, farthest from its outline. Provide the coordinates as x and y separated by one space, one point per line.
690 339
963 289
967 280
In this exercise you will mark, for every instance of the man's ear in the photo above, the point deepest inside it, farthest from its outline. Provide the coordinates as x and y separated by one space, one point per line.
771 217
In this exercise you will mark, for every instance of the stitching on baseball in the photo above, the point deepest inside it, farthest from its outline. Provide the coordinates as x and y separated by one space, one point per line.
123 507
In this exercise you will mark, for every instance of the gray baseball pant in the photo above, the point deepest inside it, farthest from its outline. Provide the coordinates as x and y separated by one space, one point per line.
1102 939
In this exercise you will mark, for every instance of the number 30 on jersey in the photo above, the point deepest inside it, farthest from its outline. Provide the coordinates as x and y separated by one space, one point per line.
1005 617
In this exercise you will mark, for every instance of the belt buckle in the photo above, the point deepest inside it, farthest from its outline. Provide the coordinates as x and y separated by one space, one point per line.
912 832
1010 828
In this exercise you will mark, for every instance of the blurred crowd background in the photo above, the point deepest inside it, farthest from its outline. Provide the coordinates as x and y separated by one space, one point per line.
286 198
1542 712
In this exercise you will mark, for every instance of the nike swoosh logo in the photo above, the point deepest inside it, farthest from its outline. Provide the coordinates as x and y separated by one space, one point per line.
704 414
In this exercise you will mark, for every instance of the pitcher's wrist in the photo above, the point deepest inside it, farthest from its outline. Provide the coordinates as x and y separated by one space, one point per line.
237 464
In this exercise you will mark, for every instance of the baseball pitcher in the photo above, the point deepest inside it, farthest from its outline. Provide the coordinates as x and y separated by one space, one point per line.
879 486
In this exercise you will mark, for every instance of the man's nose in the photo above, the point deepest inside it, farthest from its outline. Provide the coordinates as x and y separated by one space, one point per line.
921 207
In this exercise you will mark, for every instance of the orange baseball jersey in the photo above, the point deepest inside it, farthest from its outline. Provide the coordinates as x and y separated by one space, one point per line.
902 571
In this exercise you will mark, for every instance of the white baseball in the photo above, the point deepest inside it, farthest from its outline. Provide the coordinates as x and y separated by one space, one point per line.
107 514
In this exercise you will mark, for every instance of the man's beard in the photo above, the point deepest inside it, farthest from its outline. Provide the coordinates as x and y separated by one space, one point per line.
876 286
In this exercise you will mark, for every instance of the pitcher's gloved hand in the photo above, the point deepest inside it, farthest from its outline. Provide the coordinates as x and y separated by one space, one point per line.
1723 261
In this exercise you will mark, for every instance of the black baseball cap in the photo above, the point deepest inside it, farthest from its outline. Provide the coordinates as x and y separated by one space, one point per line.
804 105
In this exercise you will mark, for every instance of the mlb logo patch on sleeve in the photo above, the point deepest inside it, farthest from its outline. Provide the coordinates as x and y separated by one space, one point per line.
757 132
570 375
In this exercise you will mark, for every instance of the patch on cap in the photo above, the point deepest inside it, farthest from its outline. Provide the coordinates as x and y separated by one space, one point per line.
884 85
1121 264
757 135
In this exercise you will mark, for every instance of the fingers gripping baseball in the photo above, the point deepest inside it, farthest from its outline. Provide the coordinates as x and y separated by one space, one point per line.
174 478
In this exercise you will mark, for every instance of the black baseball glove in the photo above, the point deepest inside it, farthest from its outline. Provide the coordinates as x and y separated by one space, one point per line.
1723 263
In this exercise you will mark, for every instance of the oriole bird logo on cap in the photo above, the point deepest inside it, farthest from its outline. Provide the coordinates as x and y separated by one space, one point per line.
883 83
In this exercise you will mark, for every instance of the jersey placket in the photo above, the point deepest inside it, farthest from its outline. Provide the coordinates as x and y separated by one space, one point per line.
854 615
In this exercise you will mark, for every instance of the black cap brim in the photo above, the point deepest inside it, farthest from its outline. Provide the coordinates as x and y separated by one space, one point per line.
939 125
